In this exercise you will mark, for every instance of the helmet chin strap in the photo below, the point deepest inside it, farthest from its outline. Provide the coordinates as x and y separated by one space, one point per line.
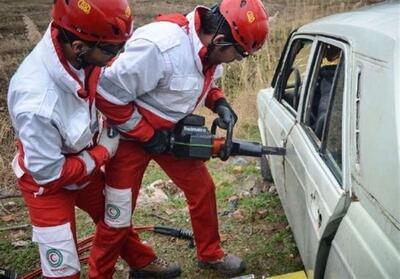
211 45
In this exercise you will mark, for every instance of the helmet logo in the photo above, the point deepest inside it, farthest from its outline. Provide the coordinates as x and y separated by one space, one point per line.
84 6
251 17
128 12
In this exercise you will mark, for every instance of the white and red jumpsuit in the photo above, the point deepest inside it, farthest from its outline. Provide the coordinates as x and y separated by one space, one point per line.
159 79
52 109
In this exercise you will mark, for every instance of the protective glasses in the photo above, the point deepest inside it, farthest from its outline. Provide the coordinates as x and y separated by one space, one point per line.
110 49
239 49
242 52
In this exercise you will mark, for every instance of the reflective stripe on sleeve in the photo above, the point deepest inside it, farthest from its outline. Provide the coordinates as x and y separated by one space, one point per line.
119 95
89 162
131 123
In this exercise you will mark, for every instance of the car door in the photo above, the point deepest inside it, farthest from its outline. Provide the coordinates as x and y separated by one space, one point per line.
282 102
316 183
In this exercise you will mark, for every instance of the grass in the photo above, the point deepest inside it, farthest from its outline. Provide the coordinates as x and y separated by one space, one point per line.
11 256
258 231
248 236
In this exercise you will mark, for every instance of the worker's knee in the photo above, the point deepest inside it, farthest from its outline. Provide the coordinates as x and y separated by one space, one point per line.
58 255
118 207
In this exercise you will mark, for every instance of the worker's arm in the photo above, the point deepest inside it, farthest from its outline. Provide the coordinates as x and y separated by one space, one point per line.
217 102
213 96
215 93
44 159
138 70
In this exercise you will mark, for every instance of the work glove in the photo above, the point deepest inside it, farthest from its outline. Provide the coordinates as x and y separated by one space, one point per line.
158 144
109 139
226 114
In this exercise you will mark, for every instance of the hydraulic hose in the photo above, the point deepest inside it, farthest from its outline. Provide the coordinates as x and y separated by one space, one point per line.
85 244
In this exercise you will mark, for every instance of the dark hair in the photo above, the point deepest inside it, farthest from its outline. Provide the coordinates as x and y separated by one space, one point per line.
67 37
210 21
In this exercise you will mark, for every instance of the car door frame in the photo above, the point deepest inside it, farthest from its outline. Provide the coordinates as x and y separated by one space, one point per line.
317 198
281 117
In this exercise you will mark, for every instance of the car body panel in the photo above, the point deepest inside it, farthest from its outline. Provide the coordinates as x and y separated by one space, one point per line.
357 253
312 192
348 228
275 134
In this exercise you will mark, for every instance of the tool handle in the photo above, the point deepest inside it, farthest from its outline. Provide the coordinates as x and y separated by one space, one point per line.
226 148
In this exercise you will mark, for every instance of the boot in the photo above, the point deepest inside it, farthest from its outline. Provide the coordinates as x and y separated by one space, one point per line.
229 265
158 268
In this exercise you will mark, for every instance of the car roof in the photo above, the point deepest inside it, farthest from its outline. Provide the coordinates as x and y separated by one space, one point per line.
364 29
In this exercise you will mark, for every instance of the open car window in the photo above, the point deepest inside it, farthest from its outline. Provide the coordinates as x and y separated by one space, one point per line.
293 74
322 116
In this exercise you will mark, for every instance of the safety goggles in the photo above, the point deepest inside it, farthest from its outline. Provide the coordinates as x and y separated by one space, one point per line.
110 49
239 49
242 52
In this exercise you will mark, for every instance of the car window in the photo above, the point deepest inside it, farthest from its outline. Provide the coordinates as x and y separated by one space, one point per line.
323 112
294 73
333 148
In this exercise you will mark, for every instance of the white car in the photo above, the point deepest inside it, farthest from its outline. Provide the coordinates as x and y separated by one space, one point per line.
334 106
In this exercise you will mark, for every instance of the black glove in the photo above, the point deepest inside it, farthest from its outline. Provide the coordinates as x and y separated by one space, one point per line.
225 113
158 144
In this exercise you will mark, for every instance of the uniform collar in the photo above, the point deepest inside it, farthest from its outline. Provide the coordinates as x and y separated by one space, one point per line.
194 29
57 65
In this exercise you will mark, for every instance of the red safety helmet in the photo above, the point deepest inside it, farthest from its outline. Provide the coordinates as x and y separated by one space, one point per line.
95 20
248 20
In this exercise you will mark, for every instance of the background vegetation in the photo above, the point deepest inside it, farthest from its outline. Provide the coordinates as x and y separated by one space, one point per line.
252 221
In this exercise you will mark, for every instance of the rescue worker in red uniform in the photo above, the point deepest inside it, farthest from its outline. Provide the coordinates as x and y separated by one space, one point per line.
52 108
166 71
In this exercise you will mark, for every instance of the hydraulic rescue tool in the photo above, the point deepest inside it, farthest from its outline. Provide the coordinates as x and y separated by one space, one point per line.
192 140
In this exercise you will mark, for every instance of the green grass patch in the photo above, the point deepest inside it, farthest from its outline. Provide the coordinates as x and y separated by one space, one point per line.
18 259
153 173
177 202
